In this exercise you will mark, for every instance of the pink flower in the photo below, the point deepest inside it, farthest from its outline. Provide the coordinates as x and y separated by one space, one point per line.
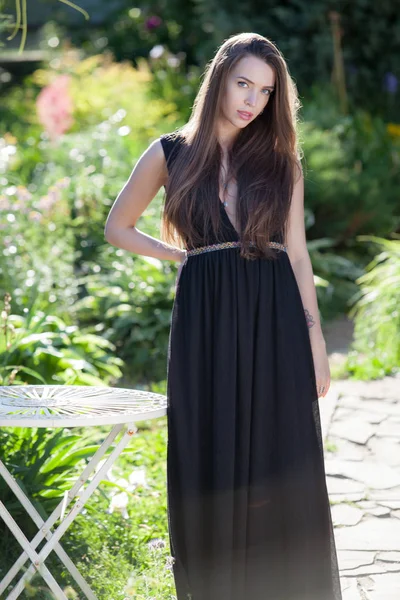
153 22
5 204
54 107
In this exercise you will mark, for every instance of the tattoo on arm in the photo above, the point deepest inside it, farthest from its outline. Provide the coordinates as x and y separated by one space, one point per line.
309 319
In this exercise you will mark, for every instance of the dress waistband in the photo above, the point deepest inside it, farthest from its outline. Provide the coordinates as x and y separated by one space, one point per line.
222 245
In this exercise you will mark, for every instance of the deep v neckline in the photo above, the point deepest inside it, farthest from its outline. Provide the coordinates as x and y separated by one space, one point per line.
227 217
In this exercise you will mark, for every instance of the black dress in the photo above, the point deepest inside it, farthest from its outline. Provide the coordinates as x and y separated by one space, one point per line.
248 508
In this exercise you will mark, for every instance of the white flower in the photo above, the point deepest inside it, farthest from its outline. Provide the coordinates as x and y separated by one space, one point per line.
118 503
122 483
109 475
138 477
157 51
173 61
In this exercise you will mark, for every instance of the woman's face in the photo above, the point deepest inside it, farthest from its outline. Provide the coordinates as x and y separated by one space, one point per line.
248 89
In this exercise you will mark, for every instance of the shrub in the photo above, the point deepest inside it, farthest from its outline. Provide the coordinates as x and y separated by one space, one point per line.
38 347
376 348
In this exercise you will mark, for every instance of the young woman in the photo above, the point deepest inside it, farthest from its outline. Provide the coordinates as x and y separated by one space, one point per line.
248 508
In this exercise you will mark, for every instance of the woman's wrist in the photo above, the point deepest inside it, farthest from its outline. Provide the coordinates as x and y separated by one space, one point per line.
317 339
178 255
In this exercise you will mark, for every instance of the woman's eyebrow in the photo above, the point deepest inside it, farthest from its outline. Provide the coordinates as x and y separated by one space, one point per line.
271 87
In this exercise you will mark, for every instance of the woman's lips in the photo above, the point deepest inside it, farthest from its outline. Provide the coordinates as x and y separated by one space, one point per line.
245 115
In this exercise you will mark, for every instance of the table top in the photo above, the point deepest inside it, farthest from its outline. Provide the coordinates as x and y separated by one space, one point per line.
76 405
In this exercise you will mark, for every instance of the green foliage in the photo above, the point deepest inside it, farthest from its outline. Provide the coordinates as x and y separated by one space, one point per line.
121 556
129 300
133 550
5 23
371 43
334 277
93 284
45 463
31 228
37 347
99 89
351 188
351 174
302 30
376 348
173 80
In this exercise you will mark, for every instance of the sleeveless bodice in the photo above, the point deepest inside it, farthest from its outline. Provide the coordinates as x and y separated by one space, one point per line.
171 142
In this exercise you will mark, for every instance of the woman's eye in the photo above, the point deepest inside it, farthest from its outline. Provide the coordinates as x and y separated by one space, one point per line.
266 90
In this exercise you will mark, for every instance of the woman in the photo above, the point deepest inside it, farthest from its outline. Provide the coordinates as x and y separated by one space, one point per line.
249 515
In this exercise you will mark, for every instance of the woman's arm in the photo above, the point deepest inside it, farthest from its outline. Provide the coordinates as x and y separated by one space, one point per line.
148 175
302 268
301 263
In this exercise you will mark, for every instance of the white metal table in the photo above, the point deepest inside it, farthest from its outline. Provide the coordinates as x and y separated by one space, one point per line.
67 406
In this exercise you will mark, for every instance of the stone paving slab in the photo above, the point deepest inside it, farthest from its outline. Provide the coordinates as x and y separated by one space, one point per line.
350 589
362 463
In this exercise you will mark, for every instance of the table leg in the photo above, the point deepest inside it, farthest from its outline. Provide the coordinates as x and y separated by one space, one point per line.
45 527
41 568
53 538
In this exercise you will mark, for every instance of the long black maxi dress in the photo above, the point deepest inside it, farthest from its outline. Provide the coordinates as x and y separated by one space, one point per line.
248 509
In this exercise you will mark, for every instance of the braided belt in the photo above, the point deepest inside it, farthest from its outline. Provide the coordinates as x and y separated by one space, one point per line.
223 245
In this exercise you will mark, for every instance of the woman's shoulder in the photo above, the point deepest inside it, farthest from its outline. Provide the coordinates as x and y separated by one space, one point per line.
171 141
172 137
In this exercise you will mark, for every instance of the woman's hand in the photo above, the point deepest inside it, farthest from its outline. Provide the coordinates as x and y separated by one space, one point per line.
321 366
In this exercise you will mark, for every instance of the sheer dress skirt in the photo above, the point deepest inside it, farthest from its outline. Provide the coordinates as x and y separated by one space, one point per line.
248 508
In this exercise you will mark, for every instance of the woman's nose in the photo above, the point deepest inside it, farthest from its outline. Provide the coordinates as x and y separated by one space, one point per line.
251 99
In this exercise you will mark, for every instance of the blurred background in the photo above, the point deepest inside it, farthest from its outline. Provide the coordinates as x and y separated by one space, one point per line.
84 89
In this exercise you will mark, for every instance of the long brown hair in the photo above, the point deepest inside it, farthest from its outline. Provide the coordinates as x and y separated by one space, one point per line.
263 157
